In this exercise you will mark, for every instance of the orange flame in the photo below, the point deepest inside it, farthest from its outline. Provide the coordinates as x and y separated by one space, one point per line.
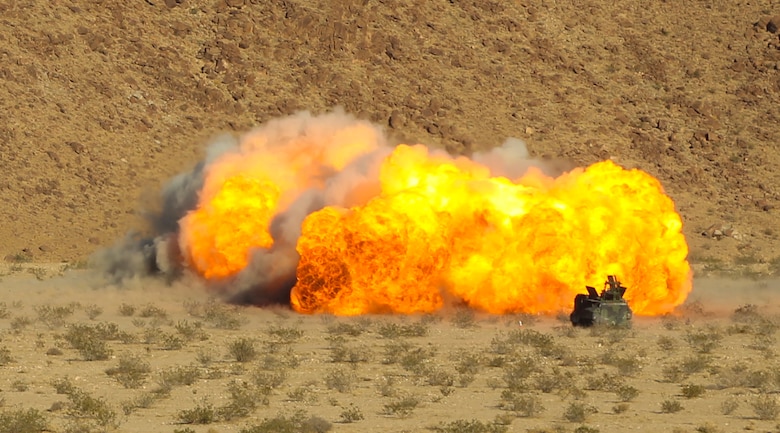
444 228
245 189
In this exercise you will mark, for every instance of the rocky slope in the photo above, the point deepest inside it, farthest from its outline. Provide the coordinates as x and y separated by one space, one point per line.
101 101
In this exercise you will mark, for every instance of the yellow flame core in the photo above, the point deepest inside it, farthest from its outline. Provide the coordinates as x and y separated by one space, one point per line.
446 228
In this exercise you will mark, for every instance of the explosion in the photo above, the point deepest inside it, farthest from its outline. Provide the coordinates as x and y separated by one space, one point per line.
368 228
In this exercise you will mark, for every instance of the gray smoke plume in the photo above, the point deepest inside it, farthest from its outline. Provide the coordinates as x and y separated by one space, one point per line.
270 274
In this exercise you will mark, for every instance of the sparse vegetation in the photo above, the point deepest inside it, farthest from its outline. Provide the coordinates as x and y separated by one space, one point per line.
396 330
243 350
90 341
766 407
23 421
729 405
402 407
523 405
131 372
671 406
351 414
298 422
470 426
90 410
202 413
692 391
341 380
464 318
578 412
5 356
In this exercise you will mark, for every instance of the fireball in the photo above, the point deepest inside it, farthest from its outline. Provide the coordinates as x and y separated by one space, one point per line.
444 228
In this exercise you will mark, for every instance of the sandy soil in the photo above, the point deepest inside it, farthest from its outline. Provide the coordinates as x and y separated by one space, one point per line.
104 101
594 370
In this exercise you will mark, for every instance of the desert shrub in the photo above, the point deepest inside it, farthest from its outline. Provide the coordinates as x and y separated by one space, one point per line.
671 406
766 407
464 318
4 313
402 407
577 411
284 334
203 413
304 394
666 343
729 405
170 341
220 316
23 421
286 358
341 380
351 414
469 363
692 391
63 385
518 371
90 341
626 365
435 376
83 406
298 422
18 323
243 350
673 374
191 331
620 408
266 382
178 376
606 382
244 399
469 426
131 372
153 311
341 352
93 311
5 356
695 364
126 310
54 317
395 330
626 393
524 405
704 341
20 385
386 386
343 328
142 401
747 313
707 428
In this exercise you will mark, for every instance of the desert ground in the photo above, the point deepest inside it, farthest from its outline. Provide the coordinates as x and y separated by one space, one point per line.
102 102
85 356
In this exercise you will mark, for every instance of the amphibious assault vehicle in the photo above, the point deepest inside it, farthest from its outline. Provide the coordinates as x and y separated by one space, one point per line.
607 308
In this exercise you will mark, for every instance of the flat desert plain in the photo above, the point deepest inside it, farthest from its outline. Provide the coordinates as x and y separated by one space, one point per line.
80 355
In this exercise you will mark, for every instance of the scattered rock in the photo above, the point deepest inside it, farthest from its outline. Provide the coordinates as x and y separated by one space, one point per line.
720 231
773 24
396 120
77 147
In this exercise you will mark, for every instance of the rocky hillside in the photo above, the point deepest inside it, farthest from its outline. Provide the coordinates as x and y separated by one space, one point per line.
103 100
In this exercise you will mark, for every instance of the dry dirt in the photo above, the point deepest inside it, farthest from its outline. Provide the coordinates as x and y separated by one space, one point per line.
102 101
461 367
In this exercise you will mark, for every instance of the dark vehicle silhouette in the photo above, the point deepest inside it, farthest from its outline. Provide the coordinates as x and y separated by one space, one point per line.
608 308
